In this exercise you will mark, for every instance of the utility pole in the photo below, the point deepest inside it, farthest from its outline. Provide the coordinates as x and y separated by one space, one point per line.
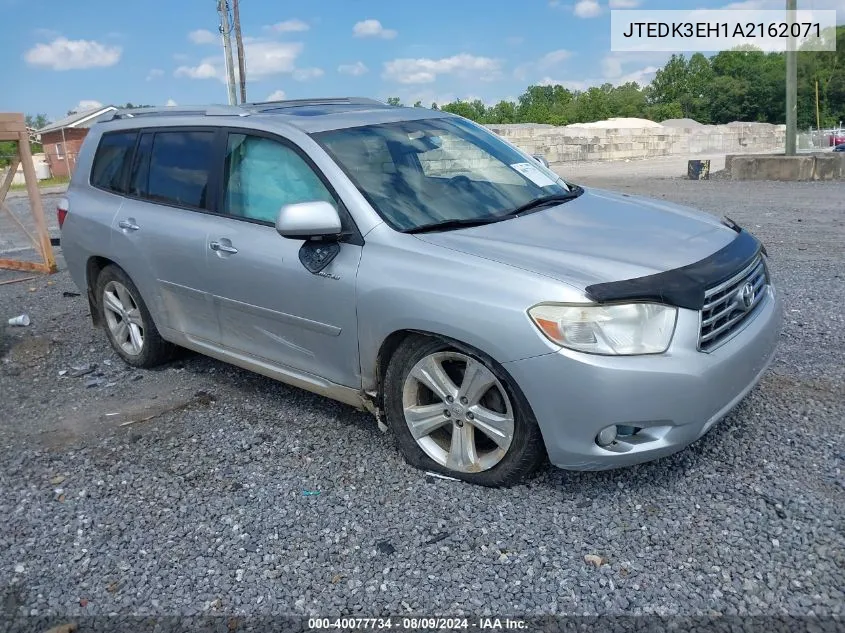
226 32
236 14
791 83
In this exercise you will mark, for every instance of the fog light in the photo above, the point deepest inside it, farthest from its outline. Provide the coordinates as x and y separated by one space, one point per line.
606 436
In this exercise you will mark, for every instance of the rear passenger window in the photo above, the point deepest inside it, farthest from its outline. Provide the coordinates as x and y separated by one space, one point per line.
112 160
180 164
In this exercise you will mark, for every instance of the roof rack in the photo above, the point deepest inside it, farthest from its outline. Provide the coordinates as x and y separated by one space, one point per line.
241 110
179 111
261 106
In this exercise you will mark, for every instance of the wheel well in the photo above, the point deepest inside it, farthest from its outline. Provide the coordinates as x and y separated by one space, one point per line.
93 268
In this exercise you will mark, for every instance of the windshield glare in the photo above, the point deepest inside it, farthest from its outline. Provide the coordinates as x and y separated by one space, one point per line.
417 173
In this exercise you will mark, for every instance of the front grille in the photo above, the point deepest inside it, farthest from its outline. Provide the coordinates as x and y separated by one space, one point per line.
724 313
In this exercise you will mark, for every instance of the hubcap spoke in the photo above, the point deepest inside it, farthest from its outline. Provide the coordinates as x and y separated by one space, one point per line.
134 317
462 453
477 381
423 419
497 426
121 332
432 375
136 338
124 296
112 303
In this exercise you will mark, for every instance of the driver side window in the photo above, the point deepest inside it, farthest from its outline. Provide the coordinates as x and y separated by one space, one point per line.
262 175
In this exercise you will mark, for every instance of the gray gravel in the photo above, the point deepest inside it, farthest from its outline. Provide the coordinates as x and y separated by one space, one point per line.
201 508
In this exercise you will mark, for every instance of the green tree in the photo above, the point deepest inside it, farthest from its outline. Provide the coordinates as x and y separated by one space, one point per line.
394 101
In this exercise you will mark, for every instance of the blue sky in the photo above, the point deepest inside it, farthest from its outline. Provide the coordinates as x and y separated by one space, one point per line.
59 55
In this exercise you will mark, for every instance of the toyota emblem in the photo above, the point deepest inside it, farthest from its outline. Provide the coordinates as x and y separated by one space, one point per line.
745 297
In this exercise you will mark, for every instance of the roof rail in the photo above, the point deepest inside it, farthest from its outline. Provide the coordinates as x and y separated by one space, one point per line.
293 103
179 111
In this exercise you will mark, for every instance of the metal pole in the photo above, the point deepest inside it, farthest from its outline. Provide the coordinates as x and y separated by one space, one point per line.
818 115
791 83
226 33
239 43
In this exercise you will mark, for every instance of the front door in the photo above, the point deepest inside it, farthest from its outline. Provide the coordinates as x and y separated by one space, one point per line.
269 306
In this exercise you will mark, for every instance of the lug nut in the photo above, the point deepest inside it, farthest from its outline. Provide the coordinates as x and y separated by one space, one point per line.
464 401
470 415
459 423
449 399
447 413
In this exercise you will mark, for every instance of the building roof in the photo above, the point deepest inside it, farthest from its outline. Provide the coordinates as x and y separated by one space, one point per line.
83 119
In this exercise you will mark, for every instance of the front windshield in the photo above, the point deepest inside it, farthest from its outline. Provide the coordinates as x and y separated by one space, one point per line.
419 173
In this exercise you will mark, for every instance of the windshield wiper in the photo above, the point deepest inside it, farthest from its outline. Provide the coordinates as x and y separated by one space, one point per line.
446 225
544 201
536 204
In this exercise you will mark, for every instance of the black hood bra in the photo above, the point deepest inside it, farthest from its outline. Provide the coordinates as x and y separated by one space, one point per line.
684 287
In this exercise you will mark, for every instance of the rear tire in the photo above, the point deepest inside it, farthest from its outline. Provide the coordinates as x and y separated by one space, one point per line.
457 412
127 321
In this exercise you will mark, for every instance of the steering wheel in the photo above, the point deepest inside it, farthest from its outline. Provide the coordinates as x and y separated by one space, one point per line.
461 181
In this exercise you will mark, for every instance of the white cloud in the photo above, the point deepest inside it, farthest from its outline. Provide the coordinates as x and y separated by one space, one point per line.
170 103
356 70
154 72
264 59
277 95
423 71
611 67
624 4
548 61
372 28
65 54
587 8
643 76
289 26
87 104
554 58
580 86
304 74
202 36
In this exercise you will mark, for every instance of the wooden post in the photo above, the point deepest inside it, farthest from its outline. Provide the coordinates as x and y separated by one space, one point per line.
13 128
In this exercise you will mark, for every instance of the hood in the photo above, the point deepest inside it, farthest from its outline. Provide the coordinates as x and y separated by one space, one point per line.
598 237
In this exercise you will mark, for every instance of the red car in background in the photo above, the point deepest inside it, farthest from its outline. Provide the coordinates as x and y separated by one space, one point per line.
838 138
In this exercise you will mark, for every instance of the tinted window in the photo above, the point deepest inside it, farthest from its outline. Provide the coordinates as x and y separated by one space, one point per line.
262 175
180 165
141 166
112 160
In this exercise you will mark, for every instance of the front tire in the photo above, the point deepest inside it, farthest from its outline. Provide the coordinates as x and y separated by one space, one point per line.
457 412
127 321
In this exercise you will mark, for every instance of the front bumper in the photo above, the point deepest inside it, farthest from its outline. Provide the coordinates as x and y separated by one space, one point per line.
674 397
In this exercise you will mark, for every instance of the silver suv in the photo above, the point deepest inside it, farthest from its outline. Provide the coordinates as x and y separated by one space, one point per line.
411 263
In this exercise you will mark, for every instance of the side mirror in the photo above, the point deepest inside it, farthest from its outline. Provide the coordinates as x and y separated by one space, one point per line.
306 220
541 159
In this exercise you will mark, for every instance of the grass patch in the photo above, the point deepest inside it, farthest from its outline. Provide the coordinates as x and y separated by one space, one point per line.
49 182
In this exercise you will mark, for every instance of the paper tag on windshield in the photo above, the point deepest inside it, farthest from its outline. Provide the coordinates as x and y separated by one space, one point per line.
533 174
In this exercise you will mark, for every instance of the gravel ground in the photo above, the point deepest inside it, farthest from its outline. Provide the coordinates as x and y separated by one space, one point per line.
200 488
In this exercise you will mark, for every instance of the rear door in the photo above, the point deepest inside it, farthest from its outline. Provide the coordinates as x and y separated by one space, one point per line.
270 306
159 234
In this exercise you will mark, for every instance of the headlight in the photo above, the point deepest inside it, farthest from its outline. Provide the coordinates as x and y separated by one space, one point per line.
623 329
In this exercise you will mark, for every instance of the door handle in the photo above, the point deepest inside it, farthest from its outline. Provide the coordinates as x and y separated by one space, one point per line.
128 225
223 248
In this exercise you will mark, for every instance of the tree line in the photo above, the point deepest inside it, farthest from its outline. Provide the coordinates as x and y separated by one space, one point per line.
738 85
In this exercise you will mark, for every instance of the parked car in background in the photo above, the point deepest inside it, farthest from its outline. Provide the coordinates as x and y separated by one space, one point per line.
411 263
839 148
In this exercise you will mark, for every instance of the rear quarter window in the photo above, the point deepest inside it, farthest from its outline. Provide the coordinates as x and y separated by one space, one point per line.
180 167
110 170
